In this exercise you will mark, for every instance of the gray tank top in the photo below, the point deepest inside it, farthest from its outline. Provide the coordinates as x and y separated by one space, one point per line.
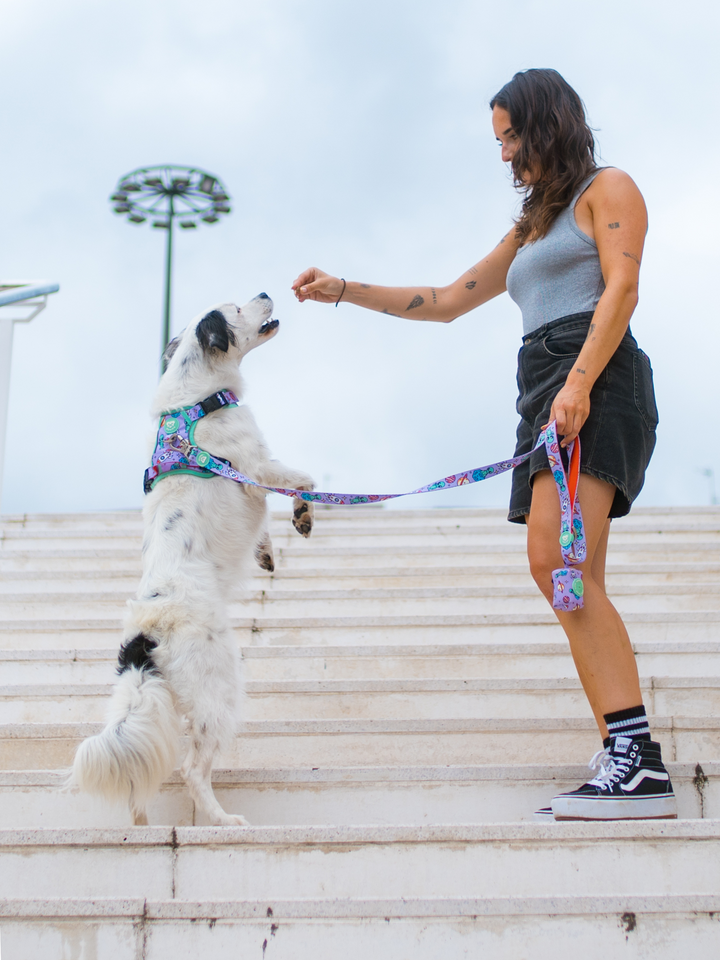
559 274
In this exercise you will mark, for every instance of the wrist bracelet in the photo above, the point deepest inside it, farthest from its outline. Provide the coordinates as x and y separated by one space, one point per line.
341 292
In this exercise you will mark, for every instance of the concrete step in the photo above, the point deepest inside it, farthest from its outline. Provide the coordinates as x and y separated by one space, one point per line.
663 927
357 862
363 517
89 579
344 796
471 661
299 558
439 699
457 629
416 742
478 602
47 597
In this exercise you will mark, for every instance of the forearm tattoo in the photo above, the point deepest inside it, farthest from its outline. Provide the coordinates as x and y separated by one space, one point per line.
417 301
434 295
470 285
632 257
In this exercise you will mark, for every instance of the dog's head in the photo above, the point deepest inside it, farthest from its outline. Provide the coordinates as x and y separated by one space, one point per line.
224 333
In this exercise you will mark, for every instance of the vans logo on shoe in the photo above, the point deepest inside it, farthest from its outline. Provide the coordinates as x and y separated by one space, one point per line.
621 744
643 775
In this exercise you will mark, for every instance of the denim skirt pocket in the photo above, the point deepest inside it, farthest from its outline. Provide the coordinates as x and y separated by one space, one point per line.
644 390
565 345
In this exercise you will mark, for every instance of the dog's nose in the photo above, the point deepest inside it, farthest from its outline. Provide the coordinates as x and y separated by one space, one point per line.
262 296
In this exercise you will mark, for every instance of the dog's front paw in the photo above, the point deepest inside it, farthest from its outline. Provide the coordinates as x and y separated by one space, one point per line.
264 556
303 513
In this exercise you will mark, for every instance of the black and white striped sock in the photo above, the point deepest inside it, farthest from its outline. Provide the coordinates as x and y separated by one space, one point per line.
628 723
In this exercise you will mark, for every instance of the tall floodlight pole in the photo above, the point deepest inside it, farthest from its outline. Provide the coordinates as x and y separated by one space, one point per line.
165 192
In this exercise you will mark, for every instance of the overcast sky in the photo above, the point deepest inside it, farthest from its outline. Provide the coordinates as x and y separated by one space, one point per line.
355 137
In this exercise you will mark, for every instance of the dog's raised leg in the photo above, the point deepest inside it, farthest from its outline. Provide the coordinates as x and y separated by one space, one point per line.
197 773
302 516
264 552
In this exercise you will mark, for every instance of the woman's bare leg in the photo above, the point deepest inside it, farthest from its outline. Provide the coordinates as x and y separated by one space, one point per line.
599 642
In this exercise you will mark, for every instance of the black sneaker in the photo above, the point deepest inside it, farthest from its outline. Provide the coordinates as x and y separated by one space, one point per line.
632 784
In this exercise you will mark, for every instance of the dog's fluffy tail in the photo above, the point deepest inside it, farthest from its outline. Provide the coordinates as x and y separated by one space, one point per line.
137 750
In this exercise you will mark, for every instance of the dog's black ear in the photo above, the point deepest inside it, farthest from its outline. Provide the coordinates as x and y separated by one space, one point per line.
215 333
169 351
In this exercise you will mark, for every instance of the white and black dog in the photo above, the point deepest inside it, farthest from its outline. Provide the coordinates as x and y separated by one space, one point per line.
178 659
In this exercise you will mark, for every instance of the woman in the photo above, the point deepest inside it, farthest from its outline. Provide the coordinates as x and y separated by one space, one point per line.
571 263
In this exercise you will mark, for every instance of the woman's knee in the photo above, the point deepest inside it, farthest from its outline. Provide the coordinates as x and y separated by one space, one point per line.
543 559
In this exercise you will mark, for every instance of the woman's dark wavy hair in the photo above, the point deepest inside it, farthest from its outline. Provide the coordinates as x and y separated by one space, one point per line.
555 141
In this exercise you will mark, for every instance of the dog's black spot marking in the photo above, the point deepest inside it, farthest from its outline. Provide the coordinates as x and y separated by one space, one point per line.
173 519
215 333
169 351
137 653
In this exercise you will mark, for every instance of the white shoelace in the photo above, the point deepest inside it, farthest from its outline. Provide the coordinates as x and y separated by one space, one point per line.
611 769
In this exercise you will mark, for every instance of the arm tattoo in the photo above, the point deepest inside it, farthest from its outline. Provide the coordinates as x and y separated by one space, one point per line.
434 295
472 271
365 286
632 257
417 301
470 285
580 370
613 226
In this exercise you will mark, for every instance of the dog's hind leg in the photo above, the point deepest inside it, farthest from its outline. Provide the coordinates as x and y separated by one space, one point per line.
264 552
197 773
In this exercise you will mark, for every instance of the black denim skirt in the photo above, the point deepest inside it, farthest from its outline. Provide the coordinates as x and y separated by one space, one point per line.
617 439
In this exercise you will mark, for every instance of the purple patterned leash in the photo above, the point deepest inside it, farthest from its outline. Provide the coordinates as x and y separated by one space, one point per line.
176 452
568 585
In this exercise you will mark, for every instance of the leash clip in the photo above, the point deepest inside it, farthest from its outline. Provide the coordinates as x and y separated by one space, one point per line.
179 443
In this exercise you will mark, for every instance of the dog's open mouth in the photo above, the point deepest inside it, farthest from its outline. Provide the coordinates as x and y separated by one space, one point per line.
268 326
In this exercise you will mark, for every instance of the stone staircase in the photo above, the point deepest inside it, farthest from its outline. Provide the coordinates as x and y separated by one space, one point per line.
411 702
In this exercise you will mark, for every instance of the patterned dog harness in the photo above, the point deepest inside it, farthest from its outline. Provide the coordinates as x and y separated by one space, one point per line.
176 453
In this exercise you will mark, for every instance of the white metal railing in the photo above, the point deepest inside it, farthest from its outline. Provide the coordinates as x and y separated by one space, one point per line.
20 302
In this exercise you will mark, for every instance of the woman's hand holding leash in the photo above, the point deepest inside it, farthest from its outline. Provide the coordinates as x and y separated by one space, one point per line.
570 410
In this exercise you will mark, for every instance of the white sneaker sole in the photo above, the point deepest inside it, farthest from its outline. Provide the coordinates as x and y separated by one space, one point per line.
595 808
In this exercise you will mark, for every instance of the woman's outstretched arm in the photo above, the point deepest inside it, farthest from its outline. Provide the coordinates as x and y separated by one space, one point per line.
476 286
